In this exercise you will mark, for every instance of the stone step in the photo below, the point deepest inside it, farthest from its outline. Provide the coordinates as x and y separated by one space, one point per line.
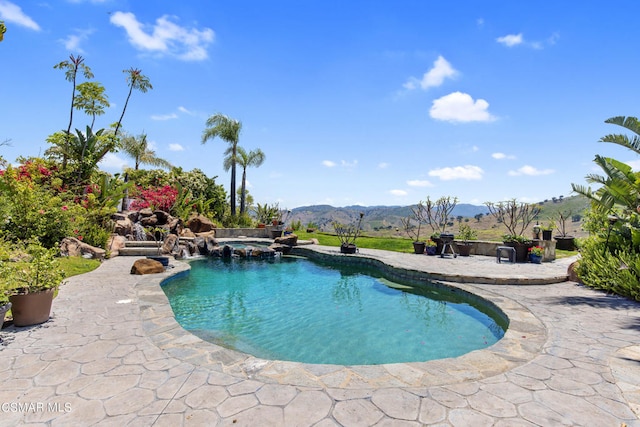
141 244
138 251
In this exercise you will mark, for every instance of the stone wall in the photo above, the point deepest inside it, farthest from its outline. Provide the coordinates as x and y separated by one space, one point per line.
482 247
225 233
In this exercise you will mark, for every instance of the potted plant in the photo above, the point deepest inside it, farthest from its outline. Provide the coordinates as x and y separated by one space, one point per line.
547 230
563 240
32 282
3 29
348 235
465 234
413 231
516 217
431 247
535 254
278 220
265 213
158 236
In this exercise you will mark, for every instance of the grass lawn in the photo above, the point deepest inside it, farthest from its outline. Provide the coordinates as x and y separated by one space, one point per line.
73 266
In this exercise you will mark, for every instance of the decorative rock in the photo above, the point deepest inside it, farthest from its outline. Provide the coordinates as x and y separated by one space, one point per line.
200 224
288 239
162 216
146 266
170 242
149 221
571 272
70 246
123 227
210 243
175 225
115 243
187 233
133 216
144 213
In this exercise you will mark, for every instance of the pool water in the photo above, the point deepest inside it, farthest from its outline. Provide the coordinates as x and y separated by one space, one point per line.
296 310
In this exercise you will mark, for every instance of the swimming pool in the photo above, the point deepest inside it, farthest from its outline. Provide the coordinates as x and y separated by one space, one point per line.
297 310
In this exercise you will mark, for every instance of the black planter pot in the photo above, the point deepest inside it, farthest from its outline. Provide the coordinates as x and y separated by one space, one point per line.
522 250
431 250
348 248
546 234
164 260
464 248
418 247
565 243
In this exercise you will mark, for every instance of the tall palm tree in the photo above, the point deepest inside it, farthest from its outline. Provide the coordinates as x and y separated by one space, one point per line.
71 67
244 159
228 130
135 80
138 148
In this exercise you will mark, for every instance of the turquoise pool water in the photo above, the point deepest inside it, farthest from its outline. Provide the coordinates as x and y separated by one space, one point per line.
294 309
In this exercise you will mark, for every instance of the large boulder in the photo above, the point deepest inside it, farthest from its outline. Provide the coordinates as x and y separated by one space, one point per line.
123 226
70 246
162 217
571 272
200 224
146 212
149 221
115 243
287 239
147 266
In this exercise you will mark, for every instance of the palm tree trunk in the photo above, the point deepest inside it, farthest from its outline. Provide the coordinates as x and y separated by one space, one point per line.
233 189
123 110
243 191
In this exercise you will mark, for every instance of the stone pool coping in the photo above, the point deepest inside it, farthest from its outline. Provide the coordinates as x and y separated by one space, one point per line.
523 340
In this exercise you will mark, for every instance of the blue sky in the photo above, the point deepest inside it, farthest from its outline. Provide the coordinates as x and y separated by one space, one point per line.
359 102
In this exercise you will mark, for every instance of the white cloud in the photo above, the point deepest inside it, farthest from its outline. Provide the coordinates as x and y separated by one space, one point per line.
398 192
184 110
166 37
419 183
500 156
72 42
511 40
441 70
328 163
13 13
530 171
348 165
112 162
467 172
383 165
176 147
460 107
161 117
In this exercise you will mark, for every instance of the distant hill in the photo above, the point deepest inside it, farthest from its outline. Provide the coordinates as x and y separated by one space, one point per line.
375 217
386 219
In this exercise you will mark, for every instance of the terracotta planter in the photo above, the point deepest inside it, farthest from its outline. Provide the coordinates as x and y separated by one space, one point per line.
418 247
348 249
261 225
31 309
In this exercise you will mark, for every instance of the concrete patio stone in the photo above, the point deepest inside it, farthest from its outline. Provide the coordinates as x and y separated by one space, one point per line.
113 355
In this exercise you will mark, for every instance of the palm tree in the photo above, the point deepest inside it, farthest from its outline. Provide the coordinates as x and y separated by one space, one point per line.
227 129
138 148
135 80
244 159
71 67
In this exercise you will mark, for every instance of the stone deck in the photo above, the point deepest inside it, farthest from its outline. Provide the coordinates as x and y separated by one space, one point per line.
112 354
